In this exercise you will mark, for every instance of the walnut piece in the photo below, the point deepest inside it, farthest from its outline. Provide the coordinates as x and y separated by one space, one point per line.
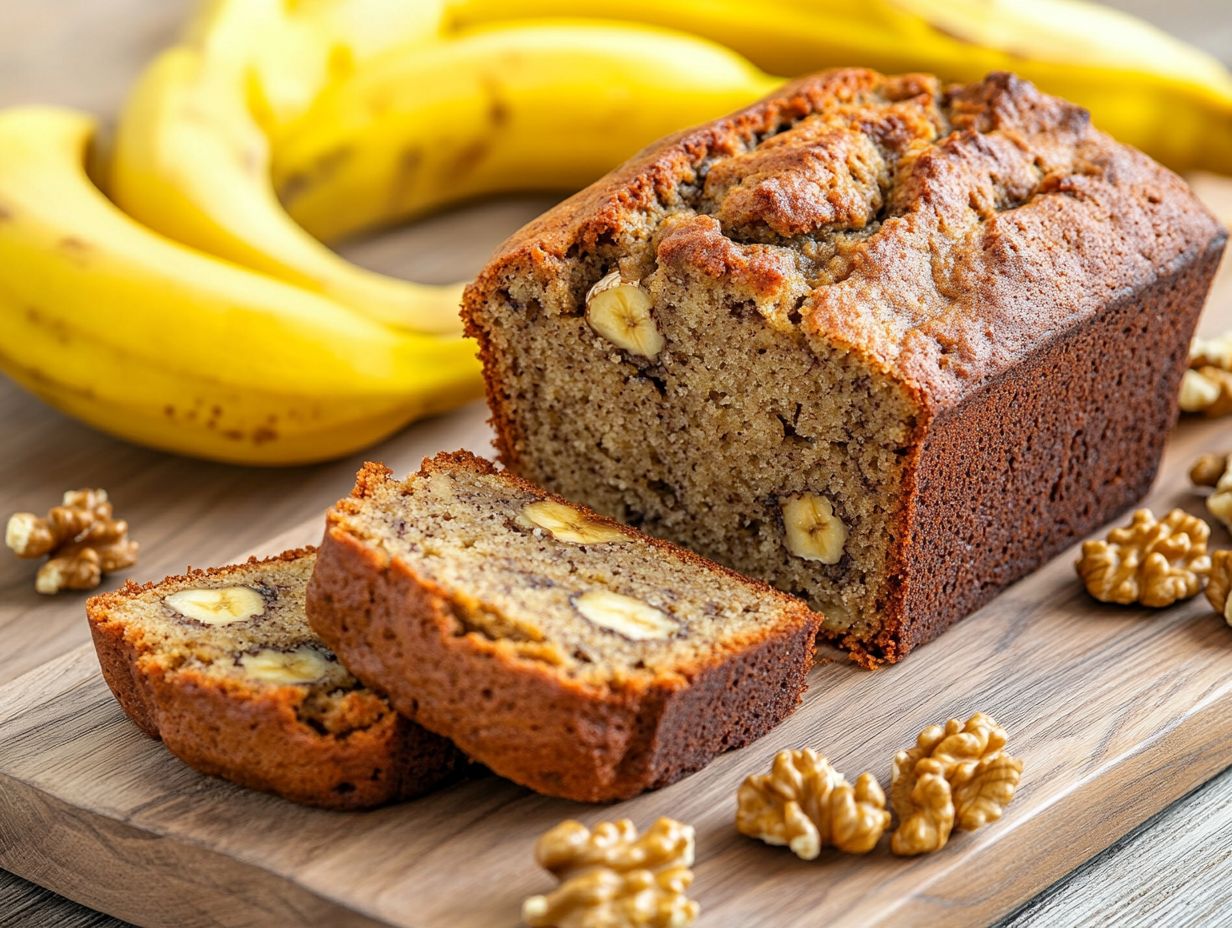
82 538
1219 503
805 804
1207 385
957 776
1208 468
1214 351
926 812
1221 584
1207 390
1152 562
612 878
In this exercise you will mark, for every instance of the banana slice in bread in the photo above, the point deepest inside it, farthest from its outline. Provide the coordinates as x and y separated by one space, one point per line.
567 652
221 665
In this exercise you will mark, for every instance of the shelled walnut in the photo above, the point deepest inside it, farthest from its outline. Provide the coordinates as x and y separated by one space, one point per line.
1217 591
1211 351
1219 503
81 537
1207 385
957 776
1208 468
613 878
1207 390
805 804
1152 562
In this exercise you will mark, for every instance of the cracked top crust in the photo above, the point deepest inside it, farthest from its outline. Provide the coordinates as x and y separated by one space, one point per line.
942 233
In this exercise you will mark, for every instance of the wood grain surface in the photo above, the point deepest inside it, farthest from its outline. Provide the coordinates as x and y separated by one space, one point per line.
84 53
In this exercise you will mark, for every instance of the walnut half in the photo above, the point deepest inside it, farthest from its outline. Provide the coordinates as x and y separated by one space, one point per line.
957 776
613 878
1207 385
1155 562
1219 590
1208 468
81 537
805 804
1207 390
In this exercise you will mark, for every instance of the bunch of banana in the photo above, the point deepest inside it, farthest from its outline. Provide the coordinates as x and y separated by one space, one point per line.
1142 86
150 340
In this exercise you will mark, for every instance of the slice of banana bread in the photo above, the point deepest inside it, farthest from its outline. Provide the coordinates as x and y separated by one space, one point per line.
885 344
567 652
221 665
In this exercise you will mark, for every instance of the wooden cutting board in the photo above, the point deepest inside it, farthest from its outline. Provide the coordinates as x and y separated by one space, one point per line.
1116 712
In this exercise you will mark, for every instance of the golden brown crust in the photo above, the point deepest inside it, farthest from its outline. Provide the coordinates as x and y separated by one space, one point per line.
522 717
255 736
961 273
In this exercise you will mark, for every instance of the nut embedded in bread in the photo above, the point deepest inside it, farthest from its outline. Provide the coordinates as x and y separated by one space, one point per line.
221 664
566 652
886 344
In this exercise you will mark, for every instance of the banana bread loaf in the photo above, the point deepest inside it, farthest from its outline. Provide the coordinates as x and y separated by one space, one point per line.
885 344
566 652
222 666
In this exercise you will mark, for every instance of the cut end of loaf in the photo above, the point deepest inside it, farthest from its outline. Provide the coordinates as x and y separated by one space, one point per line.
776 320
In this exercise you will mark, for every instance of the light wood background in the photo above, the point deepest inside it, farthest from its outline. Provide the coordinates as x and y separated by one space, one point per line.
85 52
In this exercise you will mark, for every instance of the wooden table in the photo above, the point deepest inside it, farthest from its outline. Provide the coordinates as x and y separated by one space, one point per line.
1174 868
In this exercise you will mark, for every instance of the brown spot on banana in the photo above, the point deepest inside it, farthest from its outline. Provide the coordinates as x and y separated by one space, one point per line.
76 248
39 382
322 168
58 328
469 157
405 172
293 187
499 111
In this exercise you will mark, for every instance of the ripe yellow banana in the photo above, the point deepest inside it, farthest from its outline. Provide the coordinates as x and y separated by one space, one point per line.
1142 86
191 155
155 342
291 50
535 106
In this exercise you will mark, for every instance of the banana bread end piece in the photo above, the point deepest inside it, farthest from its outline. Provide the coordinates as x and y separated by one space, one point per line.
566 652
221 665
